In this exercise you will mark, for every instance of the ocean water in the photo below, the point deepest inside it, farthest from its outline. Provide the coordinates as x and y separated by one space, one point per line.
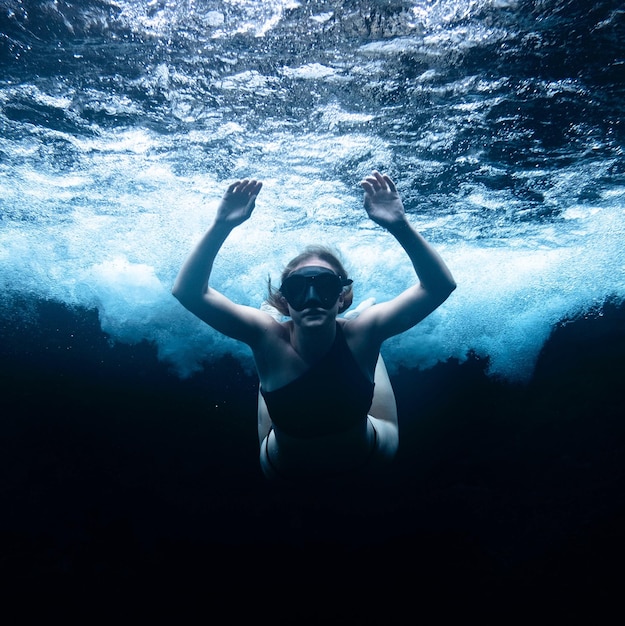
122 123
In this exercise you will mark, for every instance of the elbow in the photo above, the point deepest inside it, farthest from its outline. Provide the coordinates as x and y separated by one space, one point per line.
451 287
177 293
445 290
191 299
182 296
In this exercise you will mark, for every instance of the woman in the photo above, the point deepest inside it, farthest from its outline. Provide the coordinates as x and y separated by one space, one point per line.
326 407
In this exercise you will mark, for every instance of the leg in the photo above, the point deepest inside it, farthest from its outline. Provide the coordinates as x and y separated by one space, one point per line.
383 406
264 421
265 462
383 412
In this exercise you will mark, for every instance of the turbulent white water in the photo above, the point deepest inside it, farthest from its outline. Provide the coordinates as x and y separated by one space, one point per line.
123 122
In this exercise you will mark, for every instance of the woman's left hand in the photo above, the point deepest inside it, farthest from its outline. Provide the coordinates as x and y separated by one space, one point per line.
382 202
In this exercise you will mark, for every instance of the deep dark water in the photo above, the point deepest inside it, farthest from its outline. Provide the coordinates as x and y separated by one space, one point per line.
117 475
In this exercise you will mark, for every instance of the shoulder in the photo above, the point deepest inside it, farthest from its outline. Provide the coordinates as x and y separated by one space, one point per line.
363 343
274 354
362 324
250 325
272 334
360 331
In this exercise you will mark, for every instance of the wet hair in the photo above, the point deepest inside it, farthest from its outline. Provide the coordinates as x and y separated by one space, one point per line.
277 300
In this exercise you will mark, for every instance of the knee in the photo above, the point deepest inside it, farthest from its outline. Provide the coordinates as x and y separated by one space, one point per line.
387 438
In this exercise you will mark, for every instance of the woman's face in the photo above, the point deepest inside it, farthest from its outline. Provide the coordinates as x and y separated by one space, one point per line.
313 311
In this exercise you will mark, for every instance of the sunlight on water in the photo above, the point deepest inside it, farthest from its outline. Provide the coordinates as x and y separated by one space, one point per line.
110 173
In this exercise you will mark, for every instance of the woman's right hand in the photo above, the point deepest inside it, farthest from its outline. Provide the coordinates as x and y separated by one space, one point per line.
238 202
382 202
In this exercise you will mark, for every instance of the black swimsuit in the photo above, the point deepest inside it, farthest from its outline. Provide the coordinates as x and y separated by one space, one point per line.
277 473
333 396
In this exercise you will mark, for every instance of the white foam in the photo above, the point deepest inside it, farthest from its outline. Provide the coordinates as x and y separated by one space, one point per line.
110 230
510 293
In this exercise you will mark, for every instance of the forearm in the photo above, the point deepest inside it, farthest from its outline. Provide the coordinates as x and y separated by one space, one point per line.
430 268
192 280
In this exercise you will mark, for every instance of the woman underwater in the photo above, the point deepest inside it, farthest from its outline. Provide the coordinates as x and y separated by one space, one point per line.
326 408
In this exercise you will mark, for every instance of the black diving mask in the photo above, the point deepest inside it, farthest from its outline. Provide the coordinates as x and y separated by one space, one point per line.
313 286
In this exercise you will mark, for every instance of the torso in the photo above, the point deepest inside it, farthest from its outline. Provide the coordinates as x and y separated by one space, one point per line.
331 396
332 456
278 366
278 363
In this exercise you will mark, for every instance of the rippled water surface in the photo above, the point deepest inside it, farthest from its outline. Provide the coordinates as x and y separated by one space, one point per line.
122 122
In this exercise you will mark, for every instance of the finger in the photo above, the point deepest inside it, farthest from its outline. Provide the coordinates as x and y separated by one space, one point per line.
254 186
238 186
366 186
379 178
249 186
373 182
390 183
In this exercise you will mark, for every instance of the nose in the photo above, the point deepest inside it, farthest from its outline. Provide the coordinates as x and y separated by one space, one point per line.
311 295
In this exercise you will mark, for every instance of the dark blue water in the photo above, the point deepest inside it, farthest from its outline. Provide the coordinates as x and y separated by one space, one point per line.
133 429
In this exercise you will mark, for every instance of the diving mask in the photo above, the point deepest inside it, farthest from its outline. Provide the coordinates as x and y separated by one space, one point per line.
312 286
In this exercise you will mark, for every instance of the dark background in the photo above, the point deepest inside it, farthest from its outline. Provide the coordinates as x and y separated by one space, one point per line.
118 479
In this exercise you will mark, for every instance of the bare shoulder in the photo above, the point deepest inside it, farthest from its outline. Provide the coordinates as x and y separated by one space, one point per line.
273 353
274 333
362 341
245 323
360 324
360 332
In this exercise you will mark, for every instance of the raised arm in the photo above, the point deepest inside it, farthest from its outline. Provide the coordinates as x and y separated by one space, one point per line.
384 206
192 287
